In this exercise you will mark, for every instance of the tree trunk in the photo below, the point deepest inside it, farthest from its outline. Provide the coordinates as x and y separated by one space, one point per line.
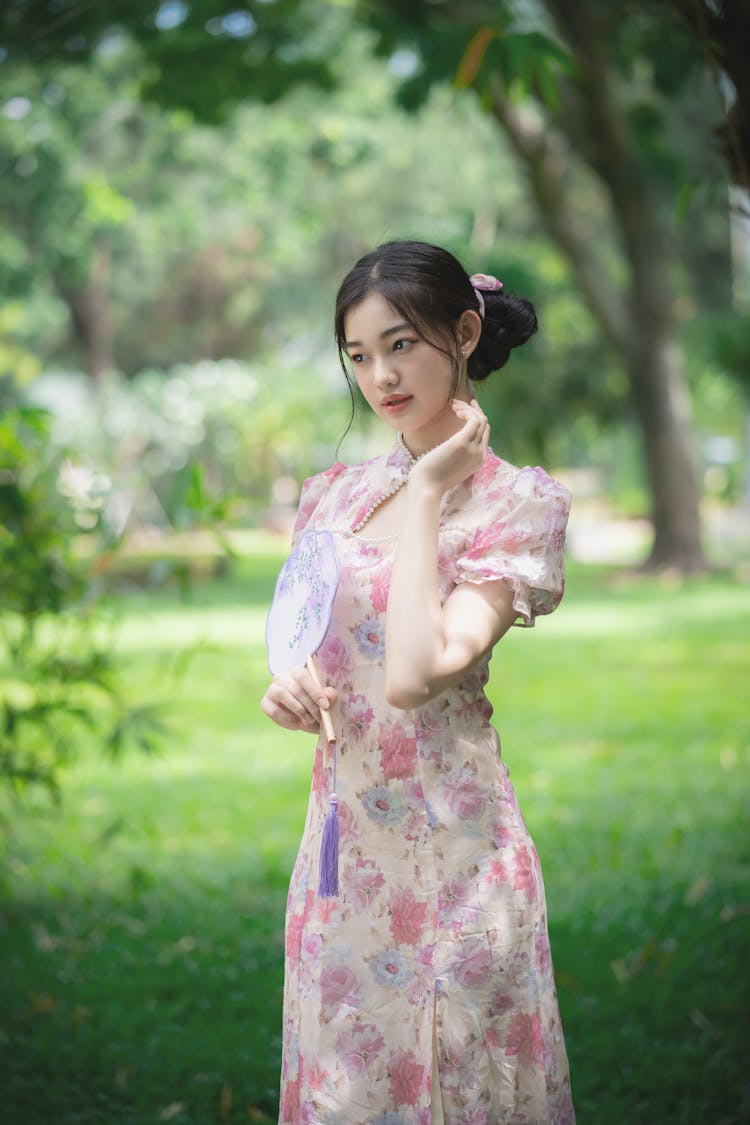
662 408
637 320
89 314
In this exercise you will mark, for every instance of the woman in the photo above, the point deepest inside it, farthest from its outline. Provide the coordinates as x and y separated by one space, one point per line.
424 992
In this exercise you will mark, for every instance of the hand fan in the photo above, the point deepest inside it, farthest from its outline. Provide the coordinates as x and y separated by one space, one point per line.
295 629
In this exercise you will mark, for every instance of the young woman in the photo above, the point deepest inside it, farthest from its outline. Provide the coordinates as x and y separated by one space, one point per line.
424 992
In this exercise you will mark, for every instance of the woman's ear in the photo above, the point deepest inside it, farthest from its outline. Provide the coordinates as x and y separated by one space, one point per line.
469 331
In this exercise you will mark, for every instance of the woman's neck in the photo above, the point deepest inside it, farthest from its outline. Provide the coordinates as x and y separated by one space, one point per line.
425 438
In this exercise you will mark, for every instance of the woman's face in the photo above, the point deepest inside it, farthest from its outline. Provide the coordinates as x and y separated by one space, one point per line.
405 380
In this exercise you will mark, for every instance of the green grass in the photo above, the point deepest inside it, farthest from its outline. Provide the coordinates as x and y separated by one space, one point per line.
141 923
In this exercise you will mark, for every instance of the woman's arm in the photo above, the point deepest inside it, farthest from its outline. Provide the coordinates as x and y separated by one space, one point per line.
428 647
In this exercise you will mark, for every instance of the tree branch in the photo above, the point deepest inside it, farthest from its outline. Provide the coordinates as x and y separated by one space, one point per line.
541 153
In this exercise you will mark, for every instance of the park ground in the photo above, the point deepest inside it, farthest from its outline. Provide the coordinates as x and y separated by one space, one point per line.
141 921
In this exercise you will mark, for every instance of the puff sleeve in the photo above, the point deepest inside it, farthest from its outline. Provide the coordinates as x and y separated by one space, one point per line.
313 491
520 539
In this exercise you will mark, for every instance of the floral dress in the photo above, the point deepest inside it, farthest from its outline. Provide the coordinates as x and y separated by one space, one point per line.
424 993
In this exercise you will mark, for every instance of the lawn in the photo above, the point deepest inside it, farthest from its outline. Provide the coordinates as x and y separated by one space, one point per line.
141 925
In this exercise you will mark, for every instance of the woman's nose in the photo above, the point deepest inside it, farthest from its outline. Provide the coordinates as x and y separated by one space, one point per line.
385 375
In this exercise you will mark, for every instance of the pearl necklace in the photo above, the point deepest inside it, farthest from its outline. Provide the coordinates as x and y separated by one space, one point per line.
396 486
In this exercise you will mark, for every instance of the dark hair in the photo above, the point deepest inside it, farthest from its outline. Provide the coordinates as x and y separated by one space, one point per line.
431 289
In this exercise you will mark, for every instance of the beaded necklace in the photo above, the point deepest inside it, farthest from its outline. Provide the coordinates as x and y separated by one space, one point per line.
397 484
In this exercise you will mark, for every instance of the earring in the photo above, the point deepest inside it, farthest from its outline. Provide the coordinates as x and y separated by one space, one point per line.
463 351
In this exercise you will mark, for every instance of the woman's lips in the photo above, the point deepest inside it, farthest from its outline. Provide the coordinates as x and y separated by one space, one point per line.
396 405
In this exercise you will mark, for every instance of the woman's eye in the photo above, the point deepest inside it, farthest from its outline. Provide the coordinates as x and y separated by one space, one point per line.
357 357
401 344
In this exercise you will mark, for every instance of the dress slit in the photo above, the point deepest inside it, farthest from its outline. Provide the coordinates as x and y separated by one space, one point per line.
437 1116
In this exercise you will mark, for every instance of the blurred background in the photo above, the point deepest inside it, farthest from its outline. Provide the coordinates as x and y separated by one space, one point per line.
183 185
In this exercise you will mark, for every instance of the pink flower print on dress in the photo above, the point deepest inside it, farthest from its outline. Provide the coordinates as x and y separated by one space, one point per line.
455 1057
517 539
338 987
497 873
424 955
543 956
503 836
523 873
359 717
379 593
348 828
313 490
485 474
358 1046
445 560
398 755
474 1115
556 543
326 909
407 1077
361 512
319 782
413 789
293 940
333 656
458 903
472 962
432 724
483 539
318 1077
407 917
311 946
501 1003
290 1100
524 1039
362 883
470 704
465 797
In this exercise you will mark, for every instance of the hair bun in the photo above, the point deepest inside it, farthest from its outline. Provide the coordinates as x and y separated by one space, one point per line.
509 321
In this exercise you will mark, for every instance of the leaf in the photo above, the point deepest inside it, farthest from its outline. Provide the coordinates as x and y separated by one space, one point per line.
548 87
195 496
473 57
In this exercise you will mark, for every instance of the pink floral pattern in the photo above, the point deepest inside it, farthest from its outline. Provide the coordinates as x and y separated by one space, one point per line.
406 1078
398 751
407 916
441 922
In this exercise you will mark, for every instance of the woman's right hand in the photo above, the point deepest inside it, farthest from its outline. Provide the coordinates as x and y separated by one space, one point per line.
458 456
294 702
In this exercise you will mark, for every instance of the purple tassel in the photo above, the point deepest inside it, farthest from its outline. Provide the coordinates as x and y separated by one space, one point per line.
328 886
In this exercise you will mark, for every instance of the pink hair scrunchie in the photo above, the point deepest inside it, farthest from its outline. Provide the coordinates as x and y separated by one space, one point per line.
484 282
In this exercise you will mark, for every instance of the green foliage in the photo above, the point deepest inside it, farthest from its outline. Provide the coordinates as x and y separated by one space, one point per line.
197 446
730 339
57 677
142 924
136 234
257 51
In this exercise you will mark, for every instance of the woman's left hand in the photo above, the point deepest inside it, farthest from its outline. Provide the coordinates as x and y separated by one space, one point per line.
461 455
